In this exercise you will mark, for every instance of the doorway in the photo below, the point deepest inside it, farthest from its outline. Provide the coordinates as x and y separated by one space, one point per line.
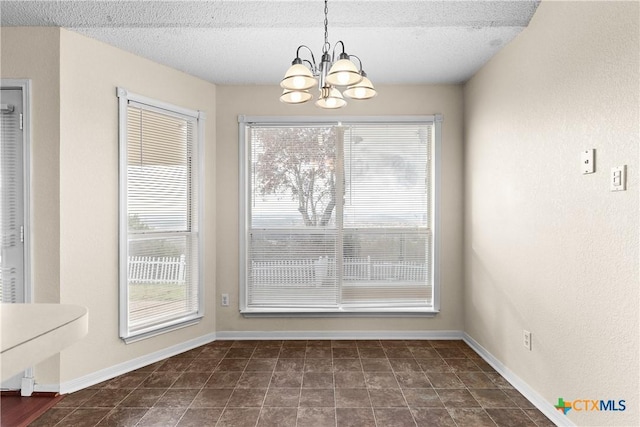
14 191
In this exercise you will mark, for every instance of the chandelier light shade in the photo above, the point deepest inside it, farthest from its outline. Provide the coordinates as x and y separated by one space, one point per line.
298 77
328 75
295 96
330 98
361 90
343 73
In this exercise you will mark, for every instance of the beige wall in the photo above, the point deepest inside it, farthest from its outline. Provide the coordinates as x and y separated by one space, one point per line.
34 53
547 248
392 100
75 182
90 71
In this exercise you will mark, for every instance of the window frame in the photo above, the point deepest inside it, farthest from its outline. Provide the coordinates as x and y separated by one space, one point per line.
244 202
124 99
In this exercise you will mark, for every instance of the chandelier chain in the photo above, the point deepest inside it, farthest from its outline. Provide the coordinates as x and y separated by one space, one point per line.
326 46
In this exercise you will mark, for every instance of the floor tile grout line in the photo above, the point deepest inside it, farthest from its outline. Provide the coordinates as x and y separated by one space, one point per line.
203 387
492 419
106 407
199 391
375 418
404 397
264 398
157 400
226 406
335 403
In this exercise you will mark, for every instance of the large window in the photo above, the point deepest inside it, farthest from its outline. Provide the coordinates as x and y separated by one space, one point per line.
160 222
338 215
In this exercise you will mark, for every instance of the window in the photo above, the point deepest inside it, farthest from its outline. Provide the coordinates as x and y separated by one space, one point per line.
160 220
338 215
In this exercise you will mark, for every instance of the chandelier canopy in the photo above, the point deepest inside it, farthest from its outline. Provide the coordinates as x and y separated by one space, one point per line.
328 75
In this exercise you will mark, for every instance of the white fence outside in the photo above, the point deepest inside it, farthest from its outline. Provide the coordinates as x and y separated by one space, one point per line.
152 270
284 272
313 272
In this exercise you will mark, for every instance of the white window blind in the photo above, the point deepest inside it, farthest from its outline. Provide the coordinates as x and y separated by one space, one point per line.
338 217
160 223
11 210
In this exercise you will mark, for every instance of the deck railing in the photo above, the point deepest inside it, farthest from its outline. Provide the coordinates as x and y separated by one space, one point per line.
313 272
150 270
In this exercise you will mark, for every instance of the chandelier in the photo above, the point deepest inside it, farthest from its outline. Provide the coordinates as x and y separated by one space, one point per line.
328 75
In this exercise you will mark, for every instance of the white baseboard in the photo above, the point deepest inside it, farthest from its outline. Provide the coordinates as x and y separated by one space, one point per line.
124 367
339 335
47 388
545 407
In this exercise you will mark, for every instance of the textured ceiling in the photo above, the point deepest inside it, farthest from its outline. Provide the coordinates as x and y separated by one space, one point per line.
254 42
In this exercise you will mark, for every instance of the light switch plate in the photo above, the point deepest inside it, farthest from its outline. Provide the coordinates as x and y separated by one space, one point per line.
588 161
618 178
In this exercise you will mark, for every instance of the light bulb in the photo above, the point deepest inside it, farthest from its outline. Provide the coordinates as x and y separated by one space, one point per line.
343 78
296 97
331 102
360 92
298 82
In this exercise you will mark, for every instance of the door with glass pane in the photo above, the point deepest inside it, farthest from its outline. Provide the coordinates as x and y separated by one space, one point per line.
12 288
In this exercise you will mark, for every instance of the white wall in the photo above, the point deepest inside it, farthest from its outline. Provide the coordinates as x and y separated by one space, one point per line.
549 249
392 100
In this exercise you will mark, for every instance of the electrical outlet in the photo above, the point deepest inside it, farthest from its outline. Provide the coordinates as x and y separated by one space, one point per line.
225 300
526 335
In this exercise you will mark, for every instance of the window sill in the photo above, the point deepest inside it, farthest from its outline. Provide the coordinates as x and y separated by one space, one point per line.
158 331
344 312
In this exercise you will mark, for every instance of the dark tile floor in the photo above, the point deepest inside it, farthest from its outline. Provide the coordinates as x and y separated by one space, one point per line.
305 383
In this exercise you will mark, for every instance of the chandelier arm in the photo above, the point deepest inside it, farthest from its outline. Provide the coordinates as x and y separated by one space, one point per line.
313 58
333 55
359 61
